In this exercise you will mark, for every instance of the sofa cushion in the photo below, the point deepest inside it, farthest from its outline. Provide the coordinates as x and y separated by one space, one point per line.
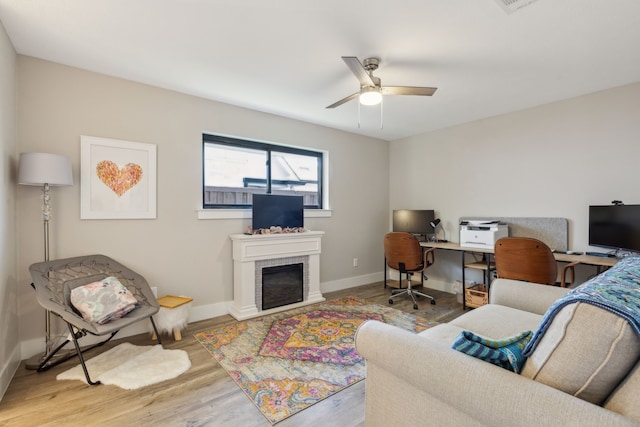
496 321
624 400
490 321
586 352
444 333
530 297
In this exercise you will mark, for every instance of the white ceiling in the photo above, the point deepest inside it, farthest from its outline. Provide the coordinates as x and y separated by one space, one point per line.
283 56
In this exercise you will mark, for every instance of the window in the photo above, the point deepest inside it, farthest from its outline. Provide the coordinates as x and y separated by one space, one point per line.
235 169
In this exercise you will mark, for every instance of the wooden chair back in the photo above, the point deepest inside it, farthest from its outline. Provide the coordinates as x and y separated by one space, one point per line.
523 258
404 248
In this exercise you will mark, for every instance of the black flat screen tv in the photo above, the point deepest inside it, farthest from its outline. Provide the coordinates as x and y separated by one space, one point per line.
615 226
413 221
275 210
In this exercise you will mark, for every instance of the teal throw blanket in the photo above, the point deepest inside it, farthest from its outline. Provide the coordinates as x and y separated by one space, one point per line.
506 352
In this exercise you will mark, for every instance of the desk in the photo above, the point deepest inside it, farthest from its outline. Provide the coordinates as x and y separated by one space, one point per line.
596 261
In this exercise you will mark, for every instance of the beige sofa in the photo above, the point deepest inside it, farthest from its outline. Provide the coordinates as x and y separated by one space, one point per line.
418 380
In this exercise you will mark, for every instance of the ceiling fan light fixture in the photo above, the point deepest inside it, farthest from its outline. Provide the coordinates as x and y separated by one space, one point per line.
371 89
370 96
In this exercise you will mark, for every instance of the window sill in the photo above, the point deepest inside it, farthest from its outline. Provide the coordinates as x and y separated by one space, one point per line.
246 213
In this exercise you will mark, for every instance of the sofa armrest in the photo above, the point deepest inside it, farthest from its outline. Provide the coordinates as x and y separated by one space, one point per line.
531 297
411 378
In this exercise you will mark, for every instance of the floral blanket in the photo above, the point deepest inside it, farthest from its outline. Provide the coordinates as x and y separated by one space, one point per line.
103 301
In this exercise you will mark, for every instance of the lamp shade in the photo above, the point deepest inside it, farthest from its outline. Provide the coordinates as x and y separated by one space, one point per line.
44 168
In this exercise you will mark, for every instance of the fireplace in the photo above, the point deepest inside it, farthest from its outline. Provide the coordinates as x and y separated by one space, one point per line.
255 254
282 285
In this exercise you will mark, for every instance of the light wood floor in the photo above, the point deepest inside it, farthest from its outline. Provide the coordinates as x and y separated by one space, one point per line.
203 396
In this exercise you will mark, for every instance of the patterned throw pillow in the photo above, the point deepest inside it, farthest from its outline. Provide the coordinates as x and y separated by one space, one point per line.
506 352
103 301
585 352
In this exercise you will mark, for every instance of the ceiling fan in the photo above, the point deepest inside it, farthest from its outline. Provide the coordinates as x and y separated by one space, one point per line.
371 90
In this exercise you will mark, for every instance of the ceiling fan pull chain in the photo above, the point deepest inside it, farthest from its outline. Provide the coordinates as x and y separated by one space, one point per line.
381 114
358 115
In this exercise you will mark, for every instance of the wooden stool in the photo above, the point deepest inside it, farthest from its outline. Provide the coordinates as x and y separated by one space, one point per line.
173 314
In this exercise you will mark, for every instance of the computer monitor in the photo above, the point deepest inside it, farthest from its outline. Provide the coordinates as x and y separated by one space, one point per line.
416 222
615 226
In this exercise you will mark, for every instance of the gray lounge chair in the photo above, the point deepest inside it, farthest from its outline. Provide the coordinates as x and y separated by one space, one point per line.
53 282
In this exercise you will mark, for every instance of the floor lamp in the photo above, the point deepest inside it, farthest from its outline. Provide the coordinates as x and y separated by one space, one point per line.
46 170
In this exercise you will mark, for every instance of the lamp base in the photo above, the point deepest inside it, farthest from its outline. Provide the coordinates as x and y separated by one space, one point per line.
42 362
34 362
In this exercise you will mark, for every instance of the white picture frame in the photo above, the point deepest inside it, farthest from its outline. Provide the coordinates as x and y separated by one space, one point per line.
117 179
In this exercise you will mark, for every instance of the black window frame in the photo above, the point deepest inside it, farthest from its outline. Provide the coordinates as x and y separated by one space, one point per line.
268 148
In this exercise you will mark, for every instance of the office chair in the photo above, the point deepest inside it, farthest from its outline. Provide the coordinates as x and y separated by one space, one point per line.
530 260
403 252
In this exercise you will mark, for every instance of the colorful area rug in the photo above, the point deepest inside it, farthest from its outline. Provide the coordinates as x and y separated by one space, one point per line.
288 361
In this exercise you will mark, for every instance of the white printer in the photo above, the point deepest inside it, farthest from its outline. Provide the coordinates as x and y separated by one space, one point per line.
482 233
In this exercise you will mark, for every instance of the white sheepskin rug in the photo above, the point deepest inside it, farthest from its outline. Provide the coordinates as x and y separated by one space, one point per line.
130 367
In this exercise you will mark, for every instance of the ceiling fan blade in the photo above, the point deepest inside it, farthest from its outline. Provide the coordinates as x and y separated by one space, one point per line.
357 68
408 90
343 100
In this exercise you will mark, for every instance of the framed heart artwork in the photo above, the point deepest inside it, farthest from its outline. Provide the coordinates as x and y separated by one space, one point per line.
117 179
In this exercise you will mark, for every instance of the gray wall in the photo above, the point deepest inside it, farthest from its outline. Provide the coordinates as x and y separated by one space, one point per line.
550 161
177 252
9 349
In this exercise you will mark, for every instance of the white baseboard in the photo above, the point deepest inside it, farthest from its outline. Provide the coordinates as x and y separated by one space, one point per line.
29 348
351 282
439 285
202 312
35 346
8 370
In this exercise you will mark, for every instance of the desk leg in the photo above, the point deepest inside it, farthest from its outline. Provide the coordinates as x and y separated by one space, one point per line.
385 272
464 300
488 271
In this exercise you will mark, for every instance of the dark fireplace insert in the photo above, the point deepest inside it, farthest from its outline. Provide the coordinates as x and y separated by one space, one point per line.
282 285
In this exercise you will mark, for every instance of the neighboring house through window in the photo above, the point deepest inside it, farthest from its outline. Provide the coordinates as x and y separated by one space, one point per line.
236 169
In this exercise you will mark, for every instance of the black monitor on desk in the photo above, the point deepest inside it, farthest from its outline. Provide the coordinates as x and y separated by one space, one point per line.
417 222
615 227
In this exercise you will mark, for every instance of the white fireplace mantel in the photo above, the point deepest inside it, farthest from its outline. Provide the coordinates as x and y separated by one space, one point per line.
247 249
